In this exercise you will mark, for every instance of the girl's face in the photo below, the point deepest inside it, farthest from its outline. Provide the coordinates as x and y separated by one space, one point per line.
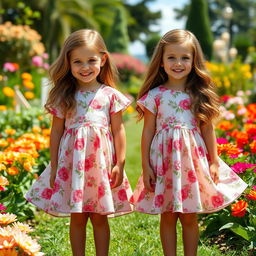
85 63
177 62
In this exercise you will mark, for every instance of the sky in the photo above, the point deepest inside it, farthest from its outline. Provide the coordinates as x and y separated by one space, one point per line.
167 22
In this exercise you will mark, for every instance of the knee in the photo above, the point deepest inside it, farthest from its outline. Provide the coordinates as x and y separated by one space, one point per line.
98 220
189 219
79 219
169 219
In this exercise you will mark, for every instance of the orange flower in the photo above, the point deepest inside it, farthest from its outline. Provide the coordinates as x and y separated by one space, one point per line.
252 195
252 111
241 138
26 76
3 143
3 108
10 131
225 125
13 170
8 91
239 209
3 181
29 95
253 146
28 84
229 149
36 129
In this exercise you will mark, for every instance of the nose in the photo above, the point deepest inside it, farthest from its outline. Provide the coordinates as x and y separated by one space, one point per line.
84 65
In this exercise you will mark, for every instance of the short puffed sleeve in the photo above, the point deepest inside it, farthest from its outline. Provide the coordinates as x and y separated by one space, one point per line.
56 111
147 101
118 102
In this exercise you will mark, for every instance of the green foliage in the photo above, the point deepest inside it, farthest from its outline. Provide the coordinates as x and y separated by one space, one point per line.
198 23
118 39
242 42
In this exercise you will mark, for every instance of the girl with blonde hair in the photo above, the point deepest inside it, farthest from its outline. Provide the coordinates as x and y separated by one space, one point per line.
85 178
182 173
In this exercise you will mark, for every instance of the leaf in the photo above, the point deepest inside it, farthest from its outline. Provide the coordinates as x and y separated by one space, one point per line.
237 229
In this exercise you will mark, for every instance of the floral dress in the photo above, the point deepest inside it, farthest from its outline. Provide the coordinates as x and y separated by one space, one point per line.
179 159
85 160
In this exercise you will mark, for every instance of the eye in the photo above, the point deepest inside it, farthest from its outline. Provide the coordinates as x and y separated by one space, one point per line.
77 62
171 58
186 58
92 60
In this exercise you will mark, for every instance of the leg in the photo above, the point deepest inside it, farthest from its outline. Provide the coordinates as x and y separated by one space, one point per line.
77 233
190 233
168 233
101 233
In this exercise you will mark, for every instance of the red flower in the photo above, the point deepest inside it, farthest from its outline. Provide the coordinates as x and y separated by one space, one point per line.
239 209
88 163
96 143
142 195
63 173
217 200
122 195
252 195
47 193
191 176
79 144
185 104
159 200
185 192
77 195
101 191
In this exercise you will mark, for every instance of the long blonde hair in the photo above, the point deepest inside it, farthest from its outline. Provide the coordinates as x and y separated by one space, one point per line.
204 100
62 81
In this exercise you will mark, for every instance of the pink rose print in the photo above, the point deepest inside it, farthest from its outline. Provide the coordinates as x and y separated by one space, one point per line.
63 174
193 122
53 111
90 181
79 144
158 100
168 183
161 148
101 190
47 193
185 104
217 200
95 104
185 192
169 146
88 208
56 187
96 143
77 195
122 195
88 163
191 176
144 97
165 167
177 165
177 144
142 195
199 151
80 165
159 200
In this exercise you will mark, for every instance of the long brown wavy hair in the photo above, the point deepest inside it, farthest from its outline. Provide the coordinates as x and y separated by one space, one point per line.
199 85
63 83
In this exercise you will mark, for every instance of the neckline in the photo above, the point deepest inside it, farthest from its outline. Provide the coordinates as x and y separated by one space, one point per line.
170 89
91 91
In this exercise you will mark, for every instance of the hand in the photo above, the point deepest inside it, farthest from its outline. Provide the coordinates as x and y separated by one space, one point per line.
117 176
52 177
149 179
214 171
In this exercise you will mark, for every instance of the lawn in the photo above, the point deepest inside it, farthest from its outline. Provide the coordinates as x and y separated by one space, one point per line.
134 234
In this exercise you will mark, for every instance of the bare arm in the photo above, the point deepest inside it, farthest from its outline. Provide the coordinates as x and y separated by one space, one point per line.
146 139
57 130
209 137
118 131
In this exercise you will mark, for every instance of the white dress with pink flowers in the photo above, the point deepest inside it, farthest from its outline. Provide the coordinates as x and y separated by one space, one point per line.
85 160
179 159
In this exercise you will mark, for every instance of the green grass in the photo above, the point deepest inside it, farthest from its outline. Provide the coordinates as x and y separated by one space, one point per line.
134 234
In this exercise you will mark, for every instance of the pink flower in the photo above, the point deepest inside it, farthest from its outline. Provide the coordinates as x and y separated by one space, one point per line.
177 144
161 148
88 208
101 191
95 104
90 181
77 195
185 192
56 187
191 176
217 200
47 193
89 161
80 165
96 143
37 61
177 165
241 167
254 187
199 151
169 146
185 104
142 195
11 67
2 207
63 174
144 97
79 144
222 141
122 195
168 183
158 100
159 200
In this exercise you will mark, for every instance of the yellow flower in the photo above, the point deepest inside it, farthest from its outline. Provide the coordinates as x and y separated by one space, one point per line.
9 92
130 109
36 129
3 181
2 168
3 143
22 227
7 218
29 95
28 84
27 166
10 131
26 76
3 107
46 131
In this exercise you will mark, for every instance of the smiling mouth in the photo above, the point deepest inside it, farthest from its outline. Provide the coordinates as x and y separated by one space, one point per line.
178 70
85 74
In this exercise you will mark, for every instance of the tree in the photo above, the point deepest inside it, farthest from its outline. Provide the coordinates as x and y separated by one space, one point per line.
140 19
198 23
118 39
151 43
